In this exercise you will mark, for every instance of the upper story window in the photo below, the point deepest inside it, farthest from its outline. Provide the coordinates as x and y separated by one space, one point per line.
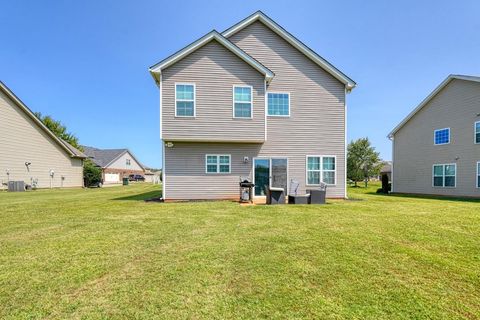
127 162
279 104
477 132
185 100
442 136
321 168
242 102
444 175
217 163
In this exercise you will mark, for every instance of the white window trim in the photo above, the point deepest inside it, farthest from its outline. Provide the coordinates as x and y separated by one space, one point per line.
277 115
449 136
476 177
194 99
218 163
321 168
475 132
233 101
443 184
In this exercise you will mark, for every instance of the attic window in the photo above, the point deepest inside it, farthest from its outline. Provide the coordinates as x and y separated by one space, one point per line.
127 162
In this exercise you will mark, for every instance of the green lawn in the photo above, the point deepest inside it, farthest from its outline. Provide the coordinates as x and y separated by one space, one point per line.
105 253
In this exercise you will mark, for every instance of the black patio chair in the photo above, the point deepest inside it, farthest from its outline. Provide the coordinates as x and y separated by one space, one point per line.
294 197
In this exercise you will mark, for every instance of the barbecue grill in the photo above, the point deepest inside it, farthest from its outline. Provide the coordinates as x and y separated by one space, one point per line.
246 189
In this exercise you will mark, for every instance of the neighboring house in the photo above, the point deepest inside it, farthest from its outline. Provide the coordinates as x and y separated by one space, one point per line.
115 163
386 169
255 102
30 152
436 148
152 175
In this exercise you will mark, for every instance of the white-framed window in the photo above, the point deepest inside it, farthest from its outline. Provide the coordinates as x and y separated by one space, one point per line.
445 175
127 162
321 169
476 131
478 174
441 136
217 163
185 99
278 104
242 102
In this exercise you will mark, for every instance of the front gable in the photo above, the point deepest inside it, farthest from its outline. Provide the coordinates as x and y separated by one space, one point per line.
125 161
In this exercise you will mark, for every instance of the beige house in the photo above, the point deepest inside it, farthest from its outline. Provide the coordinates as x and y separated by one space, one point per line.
30 152
436 148
252 101
116 164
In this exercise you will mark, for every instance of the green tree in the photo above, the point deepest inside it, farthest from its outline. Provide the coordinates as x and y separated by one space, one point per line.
362 161
91 173
59 130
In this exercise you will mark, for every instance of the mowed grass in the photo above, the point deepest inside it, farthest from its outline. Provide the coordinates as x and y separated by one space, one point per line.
105 253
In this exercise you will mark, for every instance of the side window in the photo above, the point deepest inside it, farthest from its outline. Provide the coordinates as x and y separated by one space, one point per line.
184 100
217 163
444 175
321 169
242 102
477 132
441 136
279 104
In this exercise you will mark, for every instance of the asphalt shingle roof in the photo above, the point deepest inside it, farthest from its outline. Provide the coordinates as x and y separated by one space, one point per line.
102 157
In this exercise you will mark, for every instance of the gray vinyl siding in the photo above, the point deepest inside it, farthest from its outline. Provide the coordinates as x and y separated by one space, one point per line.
22 140
316 126
456 107
214 70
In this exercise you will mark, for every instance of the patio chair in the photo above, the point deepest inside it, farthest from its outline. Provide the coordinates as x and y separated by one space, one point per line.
318 195
294 197
275 195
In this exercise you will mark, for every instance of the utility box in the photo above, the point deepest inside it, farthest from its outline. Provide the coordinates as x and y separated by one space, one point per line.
16 186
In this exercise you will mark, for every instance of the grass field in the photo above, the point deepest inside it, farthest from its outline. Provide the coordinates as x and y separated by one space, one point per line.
105 253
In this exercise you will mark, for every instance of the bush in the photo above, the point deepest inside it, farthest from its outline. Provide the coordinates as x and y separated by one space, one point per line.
385 186
92 175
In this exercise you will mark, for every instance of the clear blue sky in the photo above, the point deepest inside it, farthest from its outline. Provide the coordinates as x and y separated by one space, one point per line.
86 62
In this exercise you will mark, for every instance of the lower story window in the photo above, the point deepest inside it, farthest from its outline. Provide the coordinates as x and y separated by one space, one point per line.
478 174
444 175
217 163
321 169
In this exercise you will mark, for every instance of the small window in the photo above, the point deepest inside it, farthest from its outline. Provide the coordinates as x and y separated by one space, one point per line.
321 168
444 175
279 104
478 174
442 136
218 163
127 162
477 132
242 102
184 100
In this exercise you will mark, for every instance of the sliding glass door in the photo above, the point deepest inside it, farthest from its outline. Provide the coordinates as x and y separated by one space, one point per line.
270 172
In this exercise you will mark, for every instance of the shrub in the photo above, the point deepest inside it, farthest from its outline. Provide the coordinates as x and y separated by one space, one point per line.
92 175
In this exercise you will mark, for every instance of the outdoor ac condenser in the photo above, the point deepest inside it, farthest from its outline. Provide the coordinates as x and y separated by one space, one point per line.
16 186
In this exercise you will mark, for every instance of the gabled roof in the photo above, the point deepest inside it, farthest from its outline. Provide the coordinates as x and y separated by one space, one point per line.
323 63
104 157
157 68
430 97
71 151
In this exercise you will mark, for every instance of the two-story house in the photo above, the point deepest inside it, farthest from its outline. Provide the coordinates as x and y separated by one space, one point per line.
252 101
436 148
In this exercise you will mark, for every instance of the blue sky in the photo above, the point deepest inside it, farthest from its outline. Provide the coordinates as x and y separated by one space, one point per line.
86 62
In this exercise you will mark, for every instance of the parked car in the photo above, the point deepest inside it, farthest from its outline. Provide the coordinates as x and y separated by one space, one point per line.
136 177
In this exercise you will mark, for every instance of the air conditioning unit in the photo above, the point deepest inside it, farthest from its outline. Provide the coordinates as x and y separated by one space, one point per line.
16 186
